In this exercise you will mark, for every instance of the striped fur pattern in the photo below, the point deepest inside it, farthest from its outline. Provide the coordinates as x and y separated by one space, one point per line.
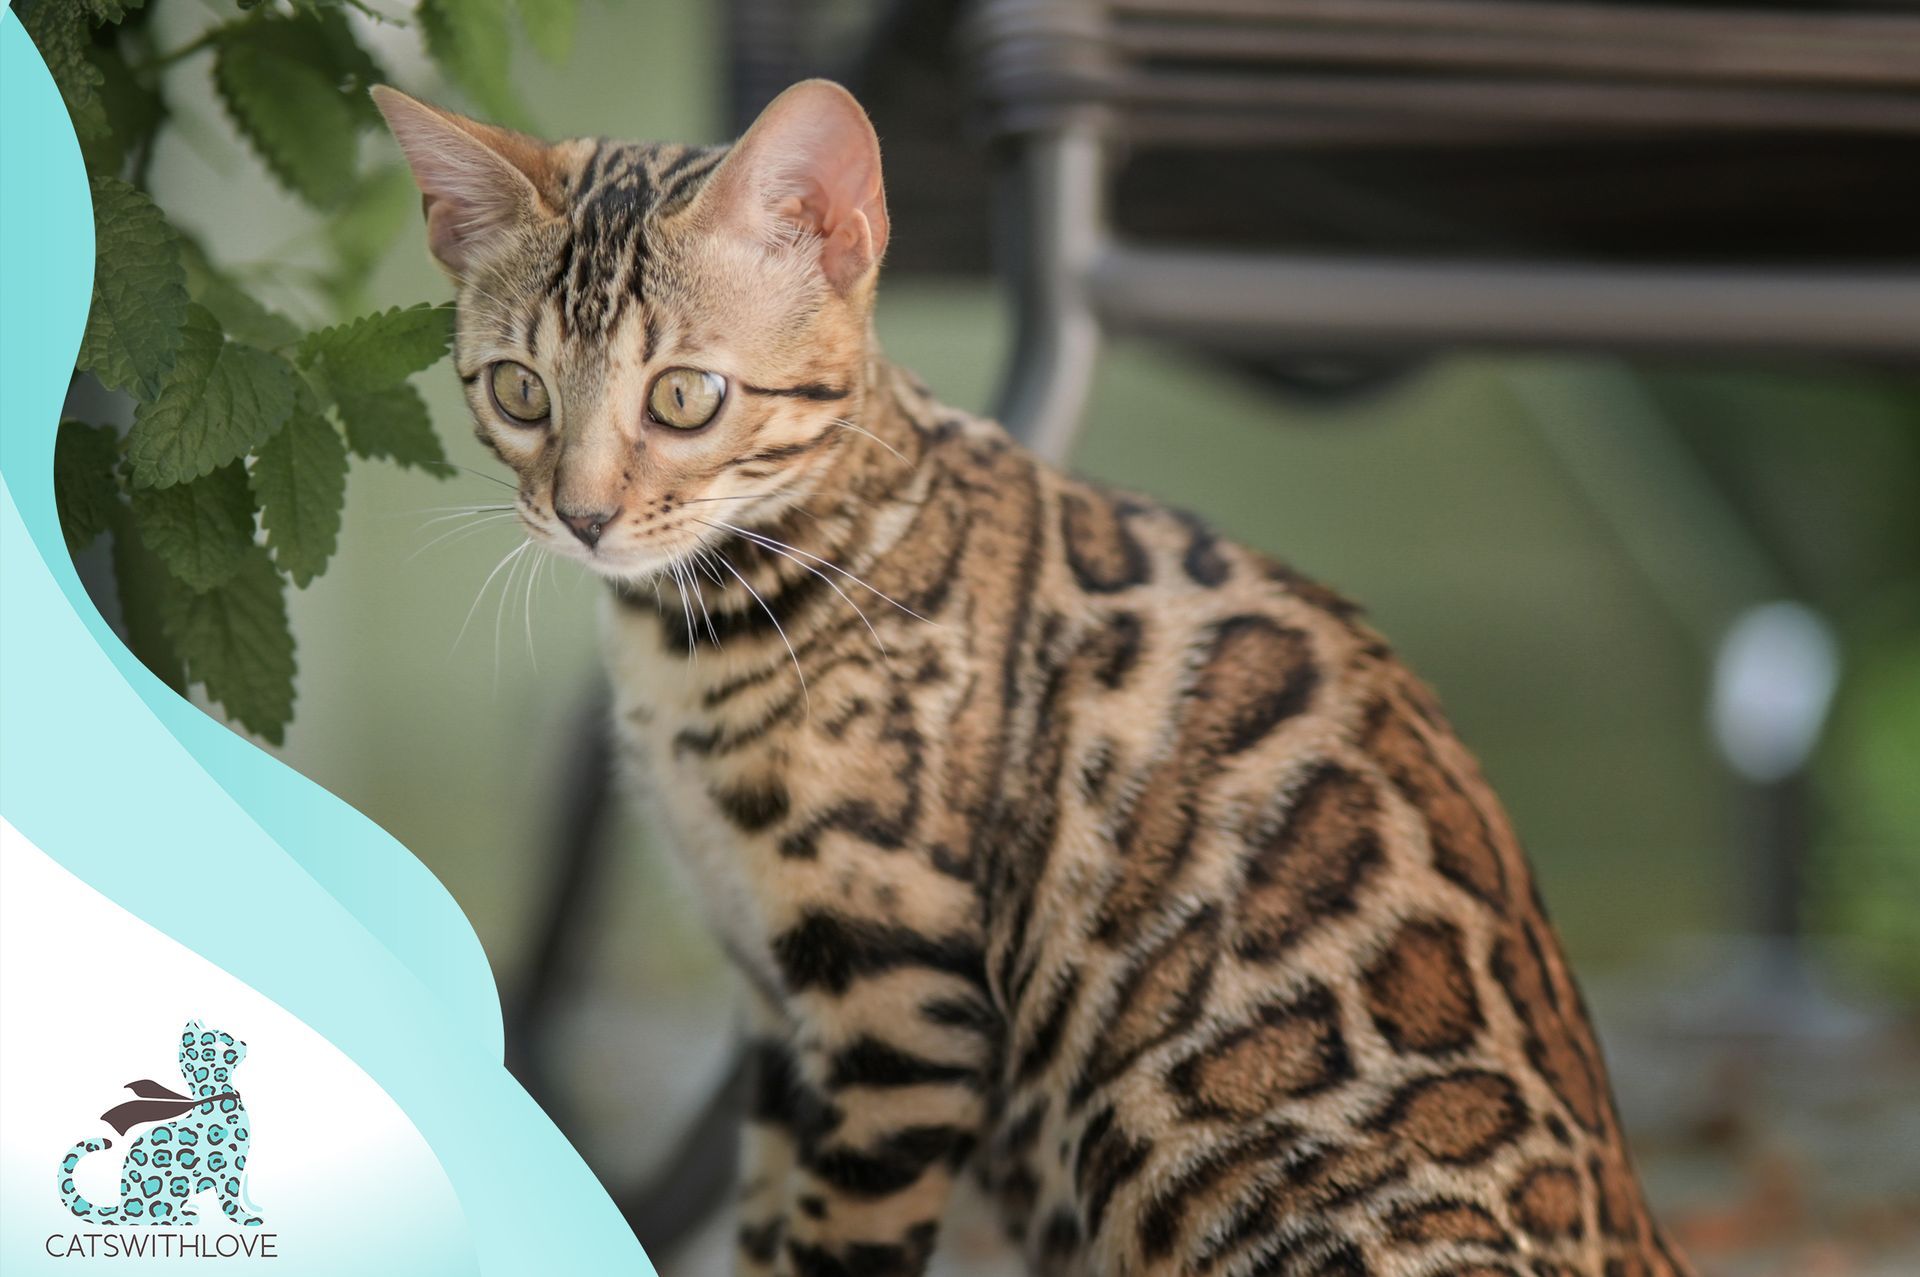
1058 841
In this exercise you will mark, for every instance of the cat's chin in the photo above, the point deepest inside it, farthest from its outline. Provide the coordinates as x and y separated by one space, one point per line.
637 565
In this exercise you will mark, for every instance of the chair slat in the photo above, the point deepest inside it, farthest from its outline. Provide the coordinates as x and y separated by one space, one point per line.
1571 20
1850 61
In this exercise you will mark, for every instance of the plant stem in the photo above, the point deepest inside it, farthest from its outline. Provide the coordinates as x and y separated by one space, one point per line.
159 60
375 15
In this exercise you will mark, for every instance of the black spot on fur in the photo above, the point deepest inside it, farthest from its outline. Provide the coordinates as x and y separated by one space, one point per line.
1203 561
871 1062
776 1089
762 1243
893 1165
1108 1158
826 950
752 805
1040 1049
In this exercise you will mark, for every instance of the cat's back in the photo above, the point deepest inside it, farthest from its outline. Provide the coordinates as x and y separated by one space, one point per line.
1270 955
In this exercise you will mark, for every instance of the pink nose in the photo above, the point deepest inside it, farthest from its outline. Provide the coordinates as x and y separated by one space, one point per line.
589 526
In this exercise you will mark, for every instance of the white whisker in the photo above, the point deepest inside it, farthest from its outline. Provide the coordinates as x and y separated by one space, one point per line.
500 611
805 696
842 421
466 513
700 556
447 511
835 566
476 526
686 612
539 558
478 474
702 599
770 544
506 559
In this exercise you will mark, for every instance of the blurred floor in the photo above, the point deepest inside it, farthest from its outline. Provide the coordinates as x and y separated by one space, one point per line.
1769 1156
1766 1157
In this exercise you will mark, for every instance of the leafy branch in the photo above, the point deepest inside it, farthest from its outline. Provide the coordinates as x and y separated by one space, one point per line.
229 485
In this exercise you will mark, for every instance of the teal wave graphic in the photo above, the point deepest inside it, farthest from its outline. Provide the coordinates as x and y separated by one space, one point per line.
123 782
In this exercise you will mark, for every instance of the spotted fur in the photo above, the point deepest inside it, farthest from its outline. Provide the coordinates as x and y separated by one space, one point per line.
1057 840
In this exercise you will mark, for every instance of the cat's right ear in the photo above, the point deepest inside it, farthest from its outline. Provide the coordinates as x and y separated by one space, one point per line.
809 166
478 182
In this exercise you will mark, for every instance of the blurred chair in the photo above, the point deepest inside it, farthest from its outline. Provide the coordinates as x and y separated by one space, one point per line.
1370 181
1068 84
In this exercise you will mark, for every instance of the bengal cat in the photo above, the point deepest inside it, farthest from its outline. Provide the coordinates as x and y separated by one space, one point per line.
1057 839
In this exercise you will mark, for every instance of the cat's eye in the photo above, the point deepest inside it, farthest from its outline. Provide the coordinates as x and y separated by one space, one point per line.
686 398
519 392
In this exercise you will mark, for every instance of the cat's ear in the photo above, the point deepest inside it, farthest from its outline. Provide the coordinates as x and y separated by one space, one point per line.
479 182
810 163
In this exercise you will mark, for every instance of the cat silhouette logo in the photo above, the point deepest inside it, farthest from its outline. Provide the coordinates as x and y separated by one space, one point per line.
199 1145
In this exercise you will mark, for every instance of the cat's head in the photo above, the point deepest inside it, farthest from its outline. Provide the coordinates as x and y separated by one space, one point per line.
656 338
208 1057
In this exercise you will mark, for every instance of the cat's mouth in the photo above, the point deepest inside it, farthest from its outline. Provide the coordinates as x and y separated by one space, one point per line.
622 553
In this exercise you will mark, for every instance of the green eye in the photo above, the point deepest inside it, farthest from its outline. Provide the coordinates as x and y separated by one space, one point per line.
686 398
519 392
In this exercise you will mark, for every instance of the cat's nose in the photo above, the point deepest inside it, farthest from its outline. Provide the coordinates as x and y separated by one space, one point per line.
589 526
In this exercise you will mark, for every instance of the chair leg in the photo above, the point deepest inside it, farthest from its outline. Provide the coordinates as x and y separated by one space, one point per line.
579 854
1051 226
697 1178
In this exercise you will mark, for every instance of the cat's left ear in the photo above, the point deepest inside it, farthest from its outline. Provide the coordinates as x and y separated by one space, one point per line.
479 182
810 163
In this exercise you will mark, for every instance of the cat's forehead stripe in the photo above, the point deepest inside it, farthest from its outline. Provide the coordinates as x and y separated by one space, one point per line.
602 264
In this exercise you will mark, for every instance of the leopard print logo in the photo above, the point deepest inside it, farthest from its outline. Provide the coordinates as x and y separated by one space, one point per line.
200 1144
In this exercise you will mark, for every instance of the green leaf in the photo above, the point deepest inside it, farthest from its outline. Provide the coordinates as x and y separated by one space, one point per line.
300 480
113 11
133 111
143 585
299 123
241 317
391 421
200 530
139 292
365 227
379 350
221 401
352 67
549 25
244 318
84 490
321 37
234 639
62 31
470 41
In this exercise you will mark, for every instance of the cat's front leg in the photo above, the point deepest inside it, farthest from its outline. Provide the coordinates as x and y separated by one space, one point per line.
901 1102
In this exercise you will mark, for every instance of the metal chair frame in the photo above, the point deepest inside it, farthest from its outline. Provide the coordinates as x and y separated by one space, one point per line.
1072 96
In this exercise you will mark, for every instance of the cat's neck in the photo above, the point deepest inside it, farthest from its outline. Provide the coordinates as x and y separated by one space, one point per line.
876 463
879 460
